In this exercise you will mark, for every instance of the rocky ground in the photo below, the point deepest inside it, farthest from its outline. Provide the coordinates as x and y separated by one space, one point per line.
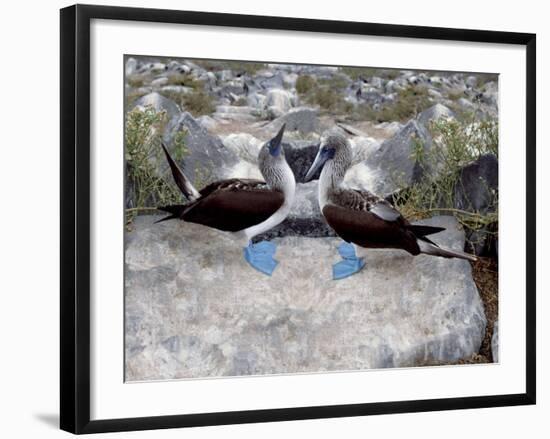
220 317
215 117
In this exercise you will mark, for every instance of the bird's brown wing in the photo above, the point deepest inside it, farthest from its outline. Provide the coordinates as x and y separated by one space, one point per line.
368 221
362 200
233 205
233 184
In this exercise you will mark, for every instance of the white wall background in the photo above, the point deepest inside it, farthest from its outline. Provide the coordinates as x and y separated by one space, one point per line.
29 186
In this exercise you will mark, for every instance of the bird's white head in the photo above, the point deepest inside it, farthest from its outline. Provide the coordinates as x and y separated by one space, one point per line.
334 156
274 167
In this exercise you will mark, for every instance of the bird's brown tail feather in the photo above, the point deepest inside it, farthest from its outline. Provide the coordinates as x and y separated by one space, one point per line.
181 180
176 211
429 248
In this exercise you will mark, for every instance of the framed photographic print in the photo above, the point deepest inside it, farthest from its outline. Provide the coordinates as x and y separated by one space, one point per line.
273 218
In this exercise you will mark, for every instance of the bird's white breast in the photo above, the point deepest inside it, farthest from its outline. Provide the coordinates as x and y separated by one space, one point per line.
324 185
289 189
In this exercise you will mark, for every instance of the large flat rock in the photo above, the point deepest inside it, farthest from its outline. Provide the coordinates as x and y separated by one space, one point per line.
194 308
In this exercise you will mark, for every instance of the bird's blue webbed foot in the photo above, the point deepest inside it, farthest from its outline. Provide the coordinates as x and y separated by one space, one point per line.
350 264
260 256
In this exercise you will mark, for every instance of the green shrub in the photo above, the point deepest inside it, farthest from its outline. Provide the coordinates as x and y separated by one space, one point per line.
197 102
304 84
133 95
248 67
455 144
356 73
325 92
334 82
137 80
143 156
184 79
241 102
408 104
484 78
326 98
245 67
455 95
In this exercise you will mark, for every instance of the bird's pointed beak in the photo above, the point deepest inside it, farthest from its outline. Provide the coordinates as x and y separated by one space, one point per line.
318 163
275 143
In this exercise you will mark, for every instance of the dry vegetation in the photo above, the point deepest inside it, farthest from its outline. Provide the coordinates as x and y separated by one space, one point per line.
242 67
327 93
143 154
455 144
356 73
409 102
196 101
485 272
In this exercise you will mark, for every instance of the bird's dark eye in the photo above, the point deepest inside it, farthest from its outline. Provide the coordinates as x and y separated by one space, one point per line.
328 151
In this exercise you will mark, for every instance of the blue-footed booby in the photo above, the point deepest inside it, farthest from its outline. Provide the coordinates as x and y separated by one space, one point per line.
363 219
245 207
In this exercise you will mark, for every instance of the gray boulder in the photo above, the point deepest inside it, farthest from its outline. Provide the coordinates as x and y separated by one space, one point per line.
177 67
278 102
234 112
435 80
395 161
194 308
477 185
131 66
377 82
276 80
466 104
176 89
231 90
477 191
299 156
158 103
471 81
159 82
206 158
391 128
157 67
256 100
437 112
245 146
207 122
304 120
372 97
435 94
224 75
289 80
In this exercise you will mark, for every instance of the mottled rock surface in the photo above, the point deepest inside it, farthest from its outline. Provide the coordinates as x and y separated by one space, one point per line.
300 156
194 308
158 103
304 219
206 156
476 191
438 111
304 120
394 162
278 102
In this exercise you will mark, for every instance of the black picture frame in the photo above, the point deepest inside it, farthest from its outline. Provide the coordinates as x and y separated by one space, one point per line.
75 218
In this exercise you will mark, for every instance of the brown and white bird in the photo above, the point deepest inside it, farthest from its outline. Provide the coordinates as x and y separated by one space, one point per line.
244 207
362 218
